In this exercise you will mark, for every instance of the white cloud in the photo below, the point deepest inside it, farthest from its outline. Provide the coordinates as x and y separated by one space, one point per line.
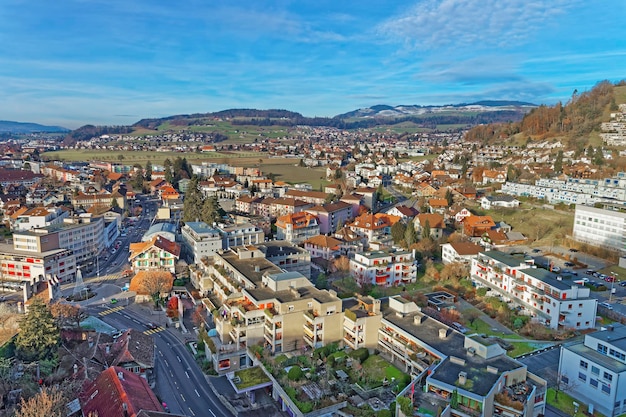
435 24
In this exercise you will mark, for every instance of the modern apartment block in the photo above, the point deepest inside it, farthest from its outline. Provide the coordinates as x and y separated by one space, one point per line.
603 227
83 235
28 266
556 302
384 267
254 301
240 234
297 227
287 256
200 240
594 369
361 322
469 375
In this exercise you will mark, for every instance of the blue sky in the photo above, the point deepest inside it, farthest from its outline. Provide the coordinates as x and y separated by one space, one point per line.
72 62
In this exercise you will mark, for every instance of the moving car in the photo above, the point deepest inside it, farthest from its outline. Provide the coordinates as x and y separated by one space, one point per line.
606 305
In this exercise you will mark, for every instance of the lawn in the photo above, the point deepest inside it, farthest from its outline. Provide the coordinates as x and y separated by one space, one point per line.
565 403
250 377
377 369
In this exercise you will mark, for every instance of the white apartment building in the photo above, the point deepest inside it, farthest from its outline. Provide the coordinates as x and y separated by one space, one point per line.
31 267
603 227
200 241
383 268
240 235
594 370
554 301
40 217
83 235
462 252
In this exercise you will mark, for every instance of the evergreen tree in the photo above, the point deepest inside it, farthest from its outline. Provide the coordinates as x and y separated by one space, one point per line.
39 335
558 162
598 157
449 198
114 203
398 230
410 235
148 171
169 176
192 204
211 210
426 230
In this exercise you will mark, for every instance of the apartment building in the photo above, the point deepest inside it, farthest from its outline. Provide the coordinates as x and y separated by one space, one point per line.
297 227
462 252
362 316
385 268
200 241
470 375
594 369
332 216
287 256
555 301
604 227
40 217
29 266
240 234
83 235
374 227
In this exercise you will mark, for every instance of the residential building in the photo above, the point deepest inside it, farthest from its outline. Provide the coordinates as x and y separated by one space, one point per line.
132 350
297 227
361 323
476 226
100 200
287 256
311 197
154 255
40 217
374 227
29 266
594 370
469 375
322 246
240 234
434 221
117 392
462 252
404 212
83 235
166 230
492 201
602 227
554 301
332 216
200 241
383 268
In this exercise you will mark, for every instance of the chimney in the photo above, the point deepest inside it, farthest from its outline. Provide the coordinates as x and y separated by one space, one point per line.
120 375
443 333
108 349
462 377
256 268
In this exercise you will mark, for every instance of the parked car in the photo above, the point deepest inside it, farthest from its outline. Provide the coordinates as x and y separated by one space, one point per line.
569 264
536 250
606 305
573 250
589 272
609 278
622 284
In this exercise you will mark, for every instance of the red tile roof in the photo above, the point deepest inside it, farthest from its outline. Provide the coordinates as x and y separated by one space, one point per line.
115 391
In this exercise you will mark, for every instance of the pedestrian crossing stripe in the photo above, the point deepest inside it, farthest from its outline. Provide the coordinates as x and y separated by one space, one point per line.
111 310
153 331
111 277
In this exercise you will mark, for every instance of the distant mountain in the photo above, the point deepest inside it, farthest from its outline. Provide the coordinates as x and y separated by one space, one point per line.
20 127
385 111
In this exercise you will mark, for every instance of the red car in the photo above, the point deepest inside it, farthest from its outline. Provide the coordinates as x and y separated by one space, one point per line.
610 278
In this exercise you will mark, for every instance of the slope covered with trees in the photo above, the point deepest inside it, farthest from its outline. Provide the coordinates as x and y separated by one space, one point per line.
573 121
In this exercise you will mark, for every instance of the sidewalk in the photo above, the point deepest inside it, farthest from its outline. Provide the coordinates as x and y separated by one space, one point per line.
147 311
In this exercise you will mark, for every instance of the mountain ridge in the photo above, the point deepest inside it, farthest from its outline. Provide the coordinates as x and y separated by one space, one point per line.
8 126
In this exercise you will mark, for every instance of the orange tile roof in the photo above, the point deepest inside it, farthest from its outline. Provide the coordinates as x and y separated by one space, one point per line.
157 241
435 220
324 241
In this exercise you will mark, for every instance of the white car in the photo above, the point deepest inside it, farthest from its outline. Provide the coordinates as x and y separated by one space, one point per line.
606 305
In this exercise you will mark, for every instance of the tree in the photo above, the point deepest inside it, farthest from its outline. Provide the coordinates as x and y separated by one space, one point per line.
39 334
148 171
212 212
449 197
114 203
410 235
558 162
67 314
398 230
120 157
154 284
192 206
598 157
49 402
426 230
169 177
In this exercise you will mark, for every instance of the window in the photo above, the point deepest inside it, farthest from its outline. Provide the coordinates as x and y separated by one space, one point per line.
564 379
584 364
608 376
593 382
606 389
291 308
595 370
602 348
582 377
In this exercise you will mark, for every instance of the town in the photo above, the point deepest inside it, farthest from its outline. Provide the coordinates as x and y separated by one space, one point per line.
412 274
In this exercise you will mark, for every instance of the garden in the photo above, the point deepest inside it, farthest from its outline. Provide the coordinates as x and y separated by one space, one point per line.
329 375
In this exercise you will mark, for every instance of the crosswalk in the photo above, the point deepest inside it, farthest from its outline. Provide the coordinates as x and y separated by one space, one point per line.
108 277
153 331
111 310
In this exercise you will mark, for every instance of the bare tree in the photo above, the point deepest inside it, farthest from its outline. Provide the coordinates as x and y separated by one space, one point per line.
49 402
156 284
67 314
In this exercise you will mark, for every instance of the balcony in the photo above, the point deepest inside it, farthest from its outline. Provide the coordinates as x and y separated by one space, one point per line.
270 312
311 315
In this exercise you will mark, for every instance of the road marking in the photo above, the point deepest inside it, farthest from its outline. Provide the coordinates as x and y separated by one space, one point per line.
171 374
191 411
187 374
212 413
161 353
178 357
153 331
181 396
166 362
110 310
197 393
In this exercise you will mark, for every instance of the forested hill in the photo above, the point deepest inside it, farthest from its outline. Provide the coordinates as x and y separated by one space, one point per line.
573 122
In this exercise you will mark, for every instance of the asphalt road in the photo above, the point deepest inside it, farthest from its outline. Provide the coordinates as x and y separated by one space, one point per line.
179 380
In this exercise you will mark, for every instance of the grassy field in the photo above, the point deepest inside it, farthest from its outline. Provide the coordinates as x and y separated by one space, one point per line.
541 226
295 174
565 402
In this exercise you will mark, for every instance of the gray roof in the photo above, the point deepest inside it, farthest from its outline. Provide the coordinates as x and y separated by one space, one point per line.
550 278
504 258
201 228
594 356
161 227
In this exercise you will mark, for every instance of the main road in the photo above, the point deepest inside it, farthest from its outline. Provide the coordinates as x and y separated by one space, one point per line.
179 380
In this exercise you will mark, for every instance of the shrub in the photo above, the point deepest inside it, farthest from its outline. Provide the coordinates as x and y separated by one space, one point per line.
295 373
361 354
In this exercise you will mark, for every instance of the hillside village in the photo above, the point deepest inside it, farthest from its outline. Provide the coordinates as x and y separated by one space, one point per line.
266 261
